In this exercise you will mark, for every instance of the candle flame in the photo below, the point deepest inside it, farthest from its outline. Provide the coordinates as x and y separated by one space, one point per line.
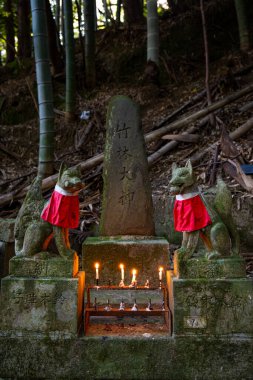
121 266
160 269
96 265
134 271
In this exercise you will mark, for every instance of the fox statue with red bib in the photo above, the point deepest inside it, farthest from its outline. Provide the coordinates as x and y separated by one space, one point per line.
195 218
38 222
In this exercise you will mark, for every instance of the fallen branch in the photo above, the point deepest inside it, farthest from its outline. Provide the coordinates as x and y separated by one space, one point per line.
244 128
151 136
240 131
154 157
184 137
11 154
195 99
246 107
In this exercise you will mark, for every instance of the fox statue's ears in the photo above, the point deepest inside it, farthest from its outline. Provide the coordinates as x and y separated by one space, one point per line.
63 167
189 166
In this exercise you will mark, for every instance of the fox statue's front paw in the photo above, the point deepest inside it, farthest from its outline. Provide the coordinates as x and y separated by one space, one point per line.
213 255
67 253
183 253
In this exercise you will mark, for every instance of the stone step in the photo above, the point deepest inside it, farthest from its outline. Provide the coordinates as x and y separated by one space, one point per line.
115 295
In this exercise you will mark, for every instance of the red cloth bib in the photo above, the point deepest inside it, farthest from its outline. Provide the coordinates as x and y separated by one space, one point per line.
62 210
190 214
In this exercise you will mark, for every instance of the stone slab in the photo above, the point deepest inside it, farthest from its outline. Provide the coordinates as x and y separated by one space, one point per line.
211 306
45 305
7 230
128 295
142 253
129 358
44 265
230 267
127 207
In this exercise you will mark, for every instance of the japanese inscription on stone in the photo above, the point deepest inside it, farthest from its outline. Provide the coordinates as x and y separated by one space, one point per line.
127 202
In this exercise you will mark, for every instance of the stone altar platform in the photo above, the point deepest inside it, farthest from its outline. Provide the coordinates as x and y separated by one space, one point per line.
42 294
210 297
146 254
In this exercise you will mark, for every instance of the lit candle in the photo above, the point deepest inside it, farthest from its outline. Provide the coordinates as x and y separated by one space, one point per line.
122 272
134 271
160 273
97 273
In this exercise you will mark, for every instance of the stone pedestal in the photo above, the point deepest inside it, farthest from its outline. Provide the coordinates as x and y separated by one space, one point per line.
42 296
210 298
146 254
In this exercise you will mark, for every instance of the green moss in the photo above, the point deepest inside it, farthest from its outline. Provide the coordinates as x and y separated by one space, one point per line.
156 358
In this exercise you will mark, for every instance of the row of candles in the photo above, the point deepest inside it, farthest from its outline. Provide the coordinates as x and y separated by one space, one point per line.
134 274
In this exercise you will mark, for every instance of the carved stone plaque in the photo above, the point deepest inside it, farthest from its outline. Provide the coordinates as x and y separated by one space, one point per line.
195 322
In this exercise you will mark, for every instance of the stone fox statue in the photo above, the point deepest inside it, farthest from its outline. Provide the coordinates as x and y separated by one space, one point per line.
195 218
37 221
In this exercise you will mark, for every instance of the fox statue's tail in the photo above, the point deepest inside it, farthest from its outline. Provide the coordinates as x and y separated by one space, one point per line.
223 206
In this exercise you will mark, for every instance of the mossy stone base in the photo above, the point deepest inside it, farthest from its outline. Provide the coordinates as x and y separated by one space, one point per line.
47 305
211 306
230 267
44 264
128 358
142 253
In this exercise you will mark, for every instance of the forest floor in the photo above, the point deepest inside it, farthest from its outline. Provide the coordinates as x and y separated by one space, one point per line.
79 140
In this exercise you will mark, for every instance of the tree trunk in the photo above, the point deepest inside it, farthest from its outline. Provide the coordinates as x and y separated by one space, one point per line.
54 42
70 59
45 90
24 29
242 25
90 43
208 93
107 15
62 24
133 10
57 15
79 15
152 32
118 12
10 33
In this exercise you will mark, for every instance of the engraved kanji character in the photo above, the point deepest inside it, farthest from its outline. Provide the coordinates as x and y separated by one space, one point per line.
122 132
123 152
125 174
127 197
18 297
30 298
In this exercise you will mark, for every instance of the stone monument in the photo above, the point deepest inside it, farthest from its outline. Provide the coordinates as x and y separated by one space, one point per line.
127 232
127 207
